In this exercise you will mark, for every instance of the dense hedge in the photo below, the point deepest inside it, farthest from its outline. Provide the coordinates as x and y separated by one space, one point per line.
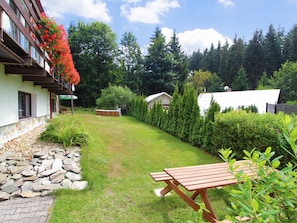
240 130
237 130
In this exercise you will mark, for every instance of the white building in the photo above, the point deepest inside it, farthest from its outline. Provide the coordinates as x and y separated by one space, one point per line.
162 97
235 99
28 87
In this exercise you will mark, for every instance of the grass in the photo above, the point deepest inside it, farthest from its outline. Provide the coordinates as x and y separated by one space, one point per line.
117 163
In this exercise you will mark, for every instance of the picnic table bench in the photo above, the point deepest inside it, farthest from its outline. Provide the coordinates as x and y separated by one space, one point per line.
197 180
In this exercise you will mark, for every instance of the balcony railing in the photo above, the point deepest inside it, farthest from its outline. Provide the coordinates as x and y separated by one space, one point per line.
20 50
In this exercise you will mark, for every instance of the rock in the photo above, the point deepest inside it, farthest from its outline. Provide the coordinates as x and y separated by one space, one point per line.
46 193
67 184
4 156
3 178
73 176
41 168
58 176
27 186
11 162
47 164
41 175
68 161
79 185
22 163
45 181
29 194
32 178
17 169
59 156
47 173
57 164
19 182
2 167
28 173
72 168
38 188
9 187
4 196
16 176
40 154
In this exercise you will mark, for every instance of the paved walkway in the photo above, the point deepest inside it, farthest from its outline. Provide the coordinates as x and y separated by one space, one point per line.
26 210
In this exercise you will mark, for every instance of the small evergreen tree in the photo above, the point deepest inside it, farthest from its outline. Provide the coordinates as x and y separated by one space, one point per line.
207 129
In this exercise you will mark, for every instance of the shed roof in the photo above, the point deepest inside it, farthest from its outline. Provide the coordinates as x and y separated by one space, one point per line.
154 96
236 99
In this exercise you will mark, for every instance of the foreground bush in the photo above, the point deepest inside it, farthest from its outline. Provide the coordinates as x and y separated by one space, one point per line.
67 130
271 197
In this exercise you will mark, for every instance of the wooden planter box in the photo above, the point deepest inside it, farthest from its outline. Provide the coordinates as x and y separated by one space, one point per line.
103 112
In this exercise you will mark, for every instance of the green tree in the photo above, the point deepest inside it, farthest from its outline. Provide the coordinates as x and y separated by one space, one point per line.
158 75
173 113
285 79
195 60
290 45
185 114
272 44
215 84
223 67
240 82
254 65
207 128
236 60
263 83
94 51
131 62
115 97
180 62
200 80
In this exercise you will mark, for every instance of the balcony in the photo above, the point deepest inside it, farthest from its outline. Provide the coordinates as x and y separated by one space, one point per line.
19 47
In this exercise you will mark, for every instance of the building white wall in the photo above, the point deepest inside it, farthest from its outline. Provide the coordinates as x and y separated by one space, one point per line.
10 85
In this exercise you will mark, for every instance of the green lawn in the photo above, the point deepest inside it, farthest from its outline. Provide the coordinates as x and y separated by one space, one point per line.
117 163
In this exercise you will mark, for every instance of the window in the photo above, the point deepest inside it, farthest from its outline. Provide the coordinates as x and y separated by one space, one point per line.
24 105
11 28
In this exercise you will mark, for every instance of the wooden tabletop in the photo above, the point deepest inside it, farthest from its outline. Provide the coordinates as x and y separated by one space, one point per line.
209 175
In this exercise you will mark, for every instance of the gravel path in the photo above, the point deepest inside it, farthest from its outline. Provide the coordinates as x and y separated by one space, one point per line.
26 145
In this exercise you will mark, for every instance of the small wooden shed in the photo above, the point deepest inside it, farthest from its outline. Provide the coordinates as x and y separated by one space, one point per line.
162 97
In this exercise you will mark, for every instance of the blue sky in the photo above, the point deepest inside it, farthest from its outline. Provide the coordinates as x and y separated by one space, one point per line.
198 23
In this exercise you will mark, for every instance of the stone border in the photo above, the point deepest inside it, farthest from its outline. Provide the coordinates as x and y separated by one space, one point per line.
46 172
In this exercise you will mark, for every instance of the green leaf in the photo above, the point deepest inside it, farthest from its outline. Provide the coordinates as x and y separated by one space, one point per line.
275 163
255 205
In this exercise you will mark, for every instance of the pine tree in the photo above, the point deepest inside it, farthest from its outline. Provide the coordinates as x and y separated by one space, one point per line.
131 62
240 82
158 76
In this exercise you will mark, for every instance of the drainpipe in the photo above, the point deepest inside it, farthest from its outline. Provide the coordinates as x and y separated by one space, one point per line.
51 105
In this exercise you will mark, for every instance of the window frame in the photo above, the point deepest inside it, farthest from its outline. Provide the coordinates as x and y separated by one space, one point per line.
24 105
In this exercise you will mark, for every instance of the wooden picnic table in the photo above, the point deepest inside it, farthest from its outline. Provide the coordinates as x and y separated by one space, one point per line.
198 179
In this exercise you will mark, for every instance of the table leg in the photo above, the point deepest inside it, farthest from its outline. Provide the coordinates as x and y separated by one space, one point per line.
205 198
168 188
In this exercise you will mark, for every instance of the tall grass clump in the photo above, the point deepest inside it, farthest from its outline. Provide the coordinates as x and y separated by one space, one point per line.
67 130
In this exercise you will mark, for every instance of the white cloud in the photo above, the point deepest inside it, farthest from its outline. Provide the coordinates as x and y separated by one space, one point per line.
150 13
226 3
90 9
197 39
132 1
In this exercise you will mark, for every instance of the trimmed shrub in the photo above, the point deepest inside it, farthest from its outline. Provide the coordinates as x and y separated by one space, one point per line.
241 131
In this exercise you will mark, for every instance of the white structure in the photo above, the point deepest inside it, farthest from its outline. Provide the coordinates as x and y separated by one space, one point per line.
162 97
22 115
236 99
28 86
